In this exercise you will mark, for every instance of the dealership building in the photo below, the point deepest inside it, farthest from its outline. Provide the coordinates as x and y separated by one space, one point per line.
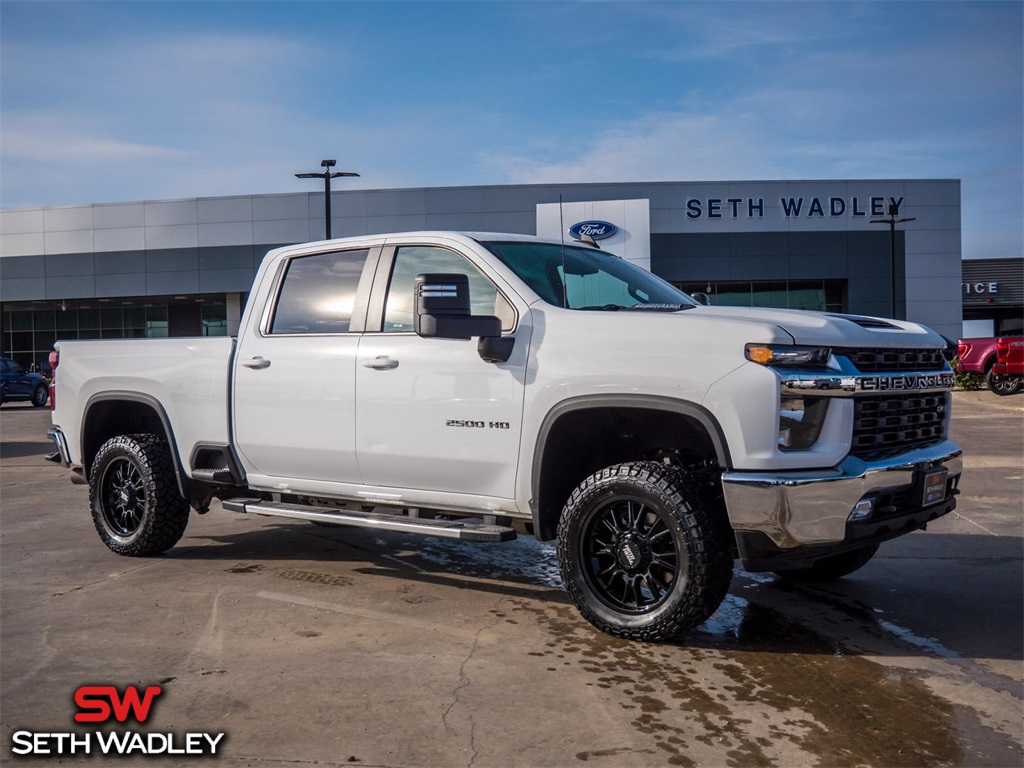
184 267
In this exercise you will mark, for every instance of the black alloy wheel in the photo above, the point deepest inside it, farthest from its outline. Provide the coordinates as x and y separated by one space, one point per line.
137 506
629 555
644 551
123 496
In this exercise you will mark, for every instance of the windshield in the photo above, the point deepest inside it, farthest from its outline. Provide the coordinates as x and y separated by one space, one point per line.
584 278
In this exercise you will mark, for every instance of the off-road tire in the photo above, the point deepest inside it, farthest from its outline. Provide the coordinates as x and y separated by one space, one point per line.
133 492
673 512
833 567
40 395
1005 385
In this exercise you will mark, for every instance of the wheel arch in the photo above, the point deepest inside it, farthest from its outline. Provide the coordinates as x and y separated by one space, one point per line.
110 414
616 429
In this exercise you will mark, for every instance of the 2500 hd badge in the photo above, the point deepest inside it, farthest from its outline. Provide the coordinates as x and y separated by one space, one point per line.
477 424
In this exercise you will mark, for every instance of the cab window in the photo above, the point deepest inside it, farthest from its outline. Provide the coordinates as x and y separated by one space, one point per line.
318 293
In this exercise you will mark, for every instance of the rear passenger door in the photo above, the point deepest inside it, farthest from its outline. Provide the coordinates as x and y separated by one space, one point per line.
294 378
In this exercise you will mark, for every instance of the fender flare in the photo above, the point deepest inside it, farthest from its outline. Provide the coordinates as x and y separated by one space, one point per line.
692 410
185 483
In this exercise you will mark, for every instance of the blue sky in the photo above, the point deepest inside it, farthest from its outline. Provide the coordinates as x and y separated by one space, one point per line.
104 102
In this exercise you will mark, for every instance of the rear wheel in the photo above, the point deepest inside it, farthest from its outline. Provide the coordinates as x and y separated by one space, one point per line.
1005 385
833 567
640 554
136 506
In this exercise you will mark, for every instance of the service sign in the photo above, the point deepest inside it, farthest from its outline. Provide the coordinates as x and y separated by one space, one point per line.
598 230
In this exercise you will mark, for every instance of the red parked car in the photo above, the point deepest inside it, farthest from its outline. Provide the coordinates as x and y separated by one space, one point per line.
1007 374
976 355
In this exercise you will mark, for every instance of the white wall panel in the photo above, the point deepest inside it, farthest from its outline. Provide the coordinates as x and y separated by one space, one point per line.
223 209
21 222
229 233
67 219
133 239
30 244
162 214
75 241
178 236
119 216
276 232
276 207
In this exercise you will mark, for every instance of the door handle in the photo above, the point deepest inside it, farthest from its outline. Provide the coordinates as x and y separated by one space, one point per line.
256 362
380 363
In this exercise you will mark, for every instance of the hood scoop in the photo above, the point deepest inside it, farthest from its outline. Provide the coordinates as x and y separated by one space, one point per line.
865 322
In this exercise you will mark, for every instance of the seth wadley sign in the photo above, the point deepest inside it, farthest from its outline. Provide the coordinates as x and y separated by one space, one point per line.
792 207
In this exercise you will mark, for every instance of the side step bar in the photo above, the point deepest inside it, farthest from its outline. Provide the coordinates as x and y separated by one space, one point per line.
467 530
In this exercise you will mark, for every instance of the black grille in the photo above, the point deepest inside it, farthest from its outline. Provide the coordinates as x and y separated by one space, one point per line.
895 423
874 360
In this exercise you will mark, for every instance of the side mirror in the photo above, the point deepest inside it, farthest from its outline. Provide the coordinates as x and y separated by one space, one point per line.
442 311
701 298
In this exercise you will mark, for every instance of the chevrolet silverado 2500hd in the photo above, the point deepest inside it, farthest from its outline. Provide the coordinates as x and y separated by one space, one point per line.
473 385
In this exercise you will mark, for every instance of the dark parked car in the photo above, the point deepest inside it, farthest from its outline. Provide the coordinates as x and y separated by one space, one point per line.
19 384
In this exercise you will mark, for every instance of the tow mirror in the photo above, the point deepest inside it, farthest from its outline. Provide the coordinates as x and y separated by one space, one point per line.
442 311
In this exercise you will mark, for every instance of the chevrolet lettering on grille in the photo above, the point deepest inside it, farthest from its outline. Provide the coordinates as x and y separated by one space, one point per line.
905 383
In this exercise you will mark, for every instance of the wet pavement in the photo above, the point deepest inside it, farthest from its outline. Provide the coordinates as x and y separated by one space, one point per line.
329 646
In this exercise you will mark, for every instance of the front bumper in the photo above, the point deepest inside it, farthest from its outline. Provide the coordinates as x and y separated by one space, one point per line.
811 509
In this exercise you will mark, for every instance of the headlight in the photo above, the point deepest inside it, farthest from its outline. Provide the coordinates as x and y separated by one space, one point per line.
783 356
800 421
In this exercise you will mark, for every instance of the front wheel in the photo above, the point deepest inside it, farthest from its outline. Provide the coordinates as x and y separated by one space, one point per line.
640 554
1005 385
40 395
136 506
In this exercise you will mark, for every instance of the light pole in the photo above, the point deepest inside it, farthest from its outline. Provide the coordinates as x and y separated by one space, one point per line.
892 221
327 175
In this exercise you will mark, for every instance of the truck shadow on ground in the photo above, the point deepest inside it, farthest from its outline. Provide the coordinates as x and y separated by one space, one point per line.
763 613
19 450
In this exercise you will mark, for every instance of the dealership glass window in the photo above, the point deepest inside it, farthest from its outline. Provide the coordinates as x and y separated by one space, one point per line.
318 293
818 295
215 320
28 331
414 260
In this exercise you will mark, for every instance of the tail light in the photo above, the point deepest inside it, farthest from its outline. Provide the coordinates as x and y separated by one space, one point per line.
54 359
962 350
1002 350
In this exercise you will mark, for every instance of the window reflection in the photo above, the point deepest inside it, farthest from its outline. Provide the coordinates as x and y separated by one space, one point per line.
318 293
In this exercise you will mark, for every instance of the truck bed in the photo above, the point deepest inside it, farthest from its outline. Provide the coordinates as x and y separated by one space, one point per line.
188 377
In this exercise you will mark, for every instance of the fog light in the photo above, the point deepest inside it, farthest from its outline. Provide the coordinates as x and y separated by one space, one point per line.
862 510
800 421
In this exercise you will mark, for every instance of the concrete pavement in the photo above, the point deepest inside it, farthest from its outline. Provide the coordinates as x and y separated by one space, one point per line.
330 646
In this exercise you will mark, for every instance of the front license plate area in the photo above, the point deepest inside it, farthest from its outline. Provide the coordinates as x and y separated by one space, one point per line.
933 486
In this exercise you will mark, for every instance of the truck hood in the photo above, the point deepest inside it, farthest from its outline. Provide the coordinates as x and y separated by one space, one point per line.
833 330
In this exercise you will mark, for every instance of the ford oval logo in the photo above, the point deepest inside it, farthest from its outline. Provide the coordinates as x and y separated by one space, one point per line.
595 229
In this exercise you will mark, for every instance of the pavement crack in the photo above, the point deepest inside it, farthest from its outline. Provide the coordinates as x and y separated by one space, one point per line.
464 682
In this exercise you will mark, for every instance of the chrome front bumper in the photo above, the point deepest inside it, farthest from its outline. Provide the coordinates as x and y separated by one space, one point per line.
796 509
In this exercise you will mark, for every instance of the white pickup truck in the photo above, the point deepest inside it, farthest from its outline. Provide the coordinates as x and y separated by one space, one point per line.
475 385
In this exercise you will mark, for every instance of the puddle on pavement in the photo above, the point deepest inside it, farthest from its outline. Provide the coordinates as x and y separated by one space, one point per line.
750 683
755 681
524 559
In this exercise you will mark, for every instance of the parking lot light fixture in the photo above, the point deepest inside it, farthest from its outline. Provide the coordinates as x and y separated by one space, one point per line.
326 175
892 221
